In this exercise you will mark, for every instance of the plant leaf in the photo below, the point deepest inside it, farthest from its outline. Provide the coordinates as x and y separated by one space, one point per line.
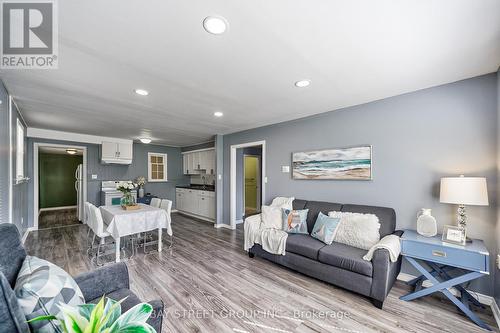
95 317
40 318
73 321
86 310
136 315
112 312
137 328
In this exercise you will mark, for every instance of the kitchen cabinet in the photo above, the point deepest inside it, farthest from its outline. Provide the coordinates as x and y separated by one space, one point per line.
116 153
199 162
196 202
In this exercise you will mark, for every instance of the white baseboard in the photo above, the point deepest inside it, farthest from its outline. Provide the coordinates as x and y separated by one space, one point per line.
239 221
56 208
26 233
174 211
483 299
222 225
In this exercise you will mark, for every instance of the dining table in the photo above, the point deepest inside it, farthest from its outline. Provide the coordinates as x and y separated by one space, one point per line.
119 222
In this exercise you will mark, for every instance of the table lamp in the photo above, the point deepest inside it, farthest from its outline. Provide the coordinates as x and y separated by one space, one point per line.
464 191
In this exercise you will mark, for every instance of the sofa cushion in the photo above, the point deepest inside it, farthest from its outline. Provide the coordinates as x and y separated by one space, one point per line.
12 318
12 252
319 206
346 257
299 204
304 245
386 216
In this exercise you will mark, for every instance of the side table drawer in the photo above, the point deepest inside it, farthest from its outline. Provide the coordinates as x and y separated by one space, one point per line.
446 255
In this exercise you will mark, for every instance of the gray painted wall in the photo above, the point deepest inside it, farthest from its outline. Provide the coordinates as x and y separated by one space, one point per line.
4 155
497 272
138 167
417 138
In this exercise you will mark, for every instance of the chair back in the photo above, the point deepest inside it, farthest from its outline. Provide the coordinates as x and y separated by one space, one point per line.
86 218
166 205
96 224
155 202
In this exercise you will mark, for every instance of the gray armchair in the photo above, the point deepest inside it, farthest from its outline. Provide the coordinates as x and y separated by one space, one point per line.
112 281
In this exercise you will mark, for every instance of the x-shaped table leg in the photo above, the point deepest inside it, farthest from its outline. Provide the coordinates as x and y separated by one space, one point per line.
443 287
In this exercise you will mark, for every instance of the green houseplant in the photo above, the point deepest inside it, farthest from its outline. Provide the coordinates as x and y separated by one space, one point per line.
103 317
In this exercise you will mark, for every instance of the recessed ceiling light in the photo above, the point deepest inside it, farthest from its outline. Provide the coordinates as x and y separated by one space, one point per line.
215 25
145 140
71 151
141 92
218 114
302 83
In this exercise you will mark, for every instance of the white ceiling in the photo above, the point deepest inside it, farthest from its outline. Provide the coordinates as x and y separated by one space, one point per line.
353 51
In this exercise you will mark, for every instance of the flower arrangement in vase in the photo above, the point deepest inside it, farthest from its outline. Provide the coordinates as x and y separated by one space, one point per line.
140 182
126 188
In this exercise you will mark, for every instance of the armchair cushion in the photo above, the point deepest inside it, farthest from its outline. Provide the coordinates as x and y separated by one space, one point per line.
12 252
12 318
103 281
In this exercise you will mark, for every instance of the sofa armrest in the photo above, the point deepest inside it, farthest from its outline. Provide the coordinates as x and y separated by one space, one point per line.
398 233
103 281
156 318
385 273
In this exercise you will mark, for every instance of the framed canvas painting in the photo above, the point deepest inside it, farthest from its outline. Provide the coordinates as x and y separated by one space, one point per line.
352 163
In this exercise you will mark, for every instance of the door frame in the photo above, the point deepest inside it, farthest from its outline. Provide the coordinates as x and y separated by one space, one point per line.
36 176
258 180
232 179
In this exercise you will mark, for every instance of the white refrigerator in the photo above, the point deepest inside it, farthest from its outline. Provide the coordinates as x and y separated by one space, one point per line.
80 200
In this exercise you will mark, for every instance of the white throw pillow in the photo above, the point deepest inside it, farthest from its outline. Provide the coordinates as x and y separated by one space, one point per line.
283 202
271 217
357 230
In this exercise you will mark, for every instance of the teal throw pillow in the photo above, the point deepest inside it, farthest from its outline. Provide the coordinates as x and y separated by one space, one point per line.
325 228
295 221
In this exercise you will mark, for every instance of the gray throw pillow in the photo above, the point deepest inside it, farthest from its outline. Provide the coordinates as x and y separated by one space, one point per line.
40 287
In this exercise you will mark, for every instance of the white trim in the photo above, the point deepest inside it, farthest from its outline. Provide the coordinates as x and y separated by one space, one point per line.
55 208
75 137
197 150
26 233
239 222
196 216
496 312
165 167
36 149
222 225
232 179
11 177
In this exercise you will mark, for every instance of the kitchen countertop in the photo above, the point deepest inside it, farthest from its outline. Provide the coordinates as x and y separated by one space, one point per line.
198 187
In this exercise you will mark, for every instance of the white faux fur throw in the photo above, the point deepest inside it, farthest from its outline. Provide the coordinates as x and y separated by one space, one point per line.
391 243
272 240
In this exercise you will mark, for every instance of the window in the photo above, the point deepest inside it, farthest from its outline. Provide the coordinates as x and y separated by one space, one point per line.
157 167
20 151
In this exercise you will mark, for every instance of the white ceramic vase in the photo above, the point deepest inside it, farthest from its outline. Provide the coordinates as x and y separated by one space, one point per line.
426 223
141 192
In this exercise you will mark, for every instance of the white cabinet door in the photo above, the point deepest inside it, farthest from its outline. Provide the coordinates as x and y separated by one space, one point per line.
191 204
124 151
210 207
189 164
179 200
109 150
185 163
211 162
196 160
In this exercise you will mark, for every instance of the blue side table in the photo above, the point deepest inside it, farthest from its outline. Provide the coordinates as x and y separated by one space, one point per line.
434 259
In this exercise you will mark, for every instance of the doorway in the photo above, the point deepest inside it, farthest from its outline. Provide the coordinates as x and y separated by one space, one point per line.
251 185
239 197
60 188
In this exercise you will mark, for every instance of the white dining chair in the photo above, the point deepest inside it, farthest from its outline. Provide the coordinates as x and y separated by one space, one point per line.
155 202
88 222
167 206
96 223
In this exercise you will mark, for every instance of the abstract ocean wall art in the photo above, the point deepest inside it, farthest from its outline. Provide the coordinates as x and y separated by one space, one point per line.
352 163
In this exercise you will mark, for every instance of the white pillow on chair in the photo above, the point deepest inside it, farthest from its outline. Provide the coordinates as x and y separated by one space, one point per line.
357 230
283 202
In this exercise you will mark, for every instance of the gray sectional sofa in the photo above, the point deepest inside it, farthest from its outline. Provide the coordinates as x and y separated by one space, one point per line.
340 264
112 281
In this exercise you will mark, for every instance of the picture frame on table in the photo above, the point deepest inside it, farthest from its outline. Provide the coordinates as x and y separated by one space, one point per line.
454 235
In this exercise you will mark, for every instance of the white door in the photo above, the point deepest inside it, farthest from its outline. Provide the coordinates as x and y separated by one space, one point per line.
125 151
109 150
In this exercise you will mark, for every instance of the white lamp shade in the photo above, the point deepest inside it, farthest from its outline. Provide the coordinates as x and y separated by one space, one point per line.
464 191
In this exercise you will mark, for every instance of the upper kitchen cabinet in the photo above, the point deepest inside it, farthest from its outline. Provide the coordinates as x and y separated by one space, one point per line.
199 162
116 153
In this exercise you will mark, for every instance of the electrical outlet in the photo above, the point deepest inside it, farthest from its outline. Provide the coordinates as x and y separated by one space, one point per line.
498 261
285 169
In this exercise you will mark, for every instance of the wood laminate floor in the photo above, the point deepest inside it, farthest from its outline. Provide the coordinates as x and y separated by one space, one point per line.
57 218
209 284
